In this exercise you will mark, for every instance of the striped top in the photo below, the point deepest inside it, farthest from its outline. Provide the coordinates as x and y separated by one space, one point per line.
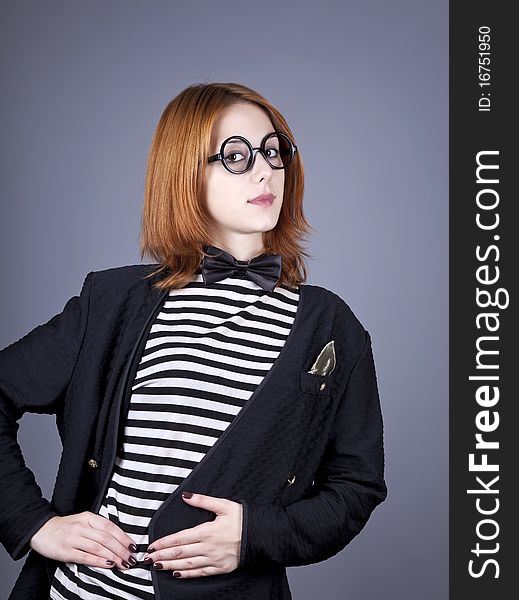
208 349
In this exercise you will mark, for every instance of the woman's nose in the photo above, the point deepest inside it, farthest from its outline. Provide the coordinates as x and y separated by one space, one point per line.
261 167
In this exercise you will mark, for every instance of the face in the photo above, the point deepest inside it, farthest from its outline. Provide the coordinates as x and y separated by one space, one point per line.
226 195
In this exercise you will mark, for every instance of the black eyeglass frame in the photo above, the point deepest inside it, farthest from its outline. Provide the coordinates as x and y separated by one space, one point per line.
253 152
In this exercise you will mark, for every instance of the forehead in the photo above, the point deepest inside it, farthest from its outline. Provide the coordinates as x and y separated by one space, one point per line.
245 119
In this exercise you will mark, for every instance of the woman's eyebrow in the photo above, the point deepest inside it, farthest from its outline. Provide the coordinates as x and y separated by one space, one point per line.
223 138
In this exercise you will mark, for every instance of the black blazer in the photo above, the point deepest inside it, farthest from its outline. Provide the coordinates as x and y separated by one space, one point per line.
306 460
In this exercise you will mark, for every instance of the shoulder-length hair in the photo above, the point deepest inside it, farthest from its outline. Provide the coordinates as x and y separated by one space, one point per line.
174 226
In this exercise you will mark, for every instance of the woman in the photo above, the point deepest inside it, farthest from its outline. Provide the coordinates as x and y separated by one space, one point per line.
220 419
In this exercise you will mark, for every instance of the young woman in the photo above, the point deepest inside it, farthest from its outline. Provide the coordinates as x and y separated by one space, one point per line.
220 419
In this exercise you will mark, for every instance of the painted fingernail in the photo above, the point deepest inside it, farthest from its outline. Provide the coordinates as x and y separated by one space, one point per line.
176 573
110 562
187 494
151 549
132 560
125 564
148 560
132 547
157 566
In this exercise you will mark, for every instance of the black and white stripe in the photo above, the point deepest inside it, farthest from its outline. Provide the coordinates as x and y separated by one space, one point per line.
207 351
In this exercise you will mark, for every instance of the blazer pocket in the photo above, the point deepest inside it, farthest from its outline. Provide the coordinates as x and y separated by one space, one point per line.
315 384
317 379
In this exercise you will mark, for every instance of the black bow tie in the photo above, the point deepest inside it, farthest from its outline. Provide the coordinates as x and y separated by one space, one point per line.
264 270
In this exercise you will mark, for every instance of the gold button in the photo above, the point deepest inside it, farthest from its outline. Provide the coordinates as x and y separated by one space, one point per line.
291 480
323 385
92 463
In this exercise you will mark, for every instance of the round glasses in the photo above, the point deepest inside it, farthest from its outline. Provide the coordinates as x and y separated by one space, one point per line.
237 154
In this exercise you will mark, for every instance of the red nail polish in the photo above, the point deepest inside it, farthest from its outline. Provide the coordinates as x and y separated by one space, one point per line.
187 494
176 573
157 566
151 549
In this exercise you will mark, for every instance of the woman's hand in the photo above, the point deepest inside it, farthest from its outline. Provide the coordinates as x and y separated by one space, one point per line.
211 548
85 538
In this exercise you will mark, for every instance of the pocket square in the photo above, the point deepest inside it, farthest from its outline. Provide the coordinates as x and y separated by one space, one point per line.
325 362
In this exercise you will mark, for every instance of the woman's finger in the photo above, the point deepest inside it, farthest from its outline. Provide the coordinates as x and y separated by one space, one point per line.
91 560
188 552
202 572
103 544
104 524
186 536
183 565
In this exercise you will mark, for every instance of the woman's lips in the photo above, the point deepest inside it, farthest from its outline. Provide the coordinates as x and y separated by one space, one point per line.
263 200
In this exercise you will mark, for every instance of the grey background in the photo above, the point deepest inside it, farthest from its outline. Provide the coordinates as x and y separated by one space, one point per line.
364 85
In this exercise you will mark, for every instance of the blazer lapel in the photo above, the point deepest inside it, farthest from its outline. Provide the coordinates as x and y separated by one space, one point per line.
115 406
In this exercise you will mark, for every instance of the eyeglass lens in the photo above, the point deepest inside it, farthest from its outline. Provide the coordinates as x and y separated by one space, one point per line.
237 155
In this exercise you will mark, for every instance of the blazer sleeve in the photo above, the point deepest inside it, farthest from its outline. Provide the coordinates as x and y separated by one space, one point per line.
348 486
34 376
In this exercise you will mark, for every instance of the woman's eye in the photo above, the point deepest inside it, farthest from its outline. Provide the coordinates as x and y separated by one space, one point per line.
231 157
273 152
